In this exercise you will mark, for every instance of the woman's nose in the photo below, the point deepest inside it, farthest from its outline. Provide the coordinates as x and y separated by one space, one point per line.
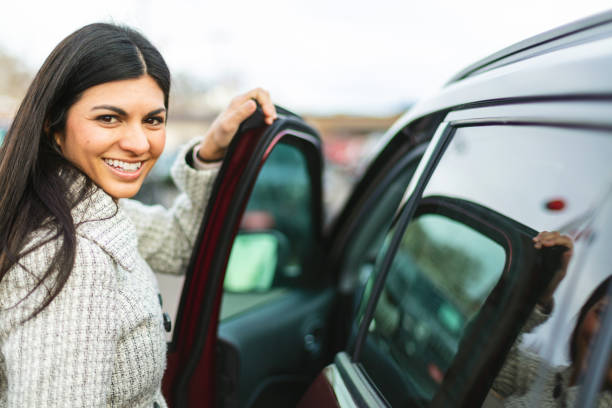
135 139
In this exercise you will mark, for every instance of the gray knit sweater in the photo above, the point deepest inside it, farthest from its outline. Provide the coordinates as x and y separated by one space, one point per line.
526 380
100 342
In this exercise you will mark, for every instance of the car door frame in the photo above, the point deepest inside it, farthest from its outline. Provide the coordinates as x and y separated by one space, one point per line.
191 353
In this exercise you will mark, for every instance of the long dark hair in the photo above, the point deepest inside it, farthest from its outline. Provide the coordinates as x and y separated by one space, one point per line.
598 293
34 176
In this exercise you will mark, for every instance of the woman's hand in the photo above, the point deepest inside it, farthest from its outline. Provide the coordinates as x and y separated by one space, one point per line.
549 239
226 124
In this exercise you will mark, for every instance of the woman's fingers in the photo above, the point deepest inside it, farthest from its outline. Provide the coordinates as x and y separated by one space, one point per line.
236 116
224 128
552 238
244 105
549 239
263 97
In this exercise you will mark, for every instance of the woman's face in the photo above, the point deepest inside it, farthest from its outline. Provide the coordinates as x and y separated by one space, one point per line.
115 132
587 331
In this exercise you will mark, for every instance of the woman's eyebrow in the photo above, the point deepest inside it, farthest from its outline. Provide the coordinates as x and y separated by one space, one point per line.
110 107
156 111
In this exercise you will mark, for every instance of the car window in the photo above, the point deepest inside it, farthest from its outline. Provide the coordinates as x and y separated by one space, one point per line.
440 276
272 244
374 220
452 279
276 236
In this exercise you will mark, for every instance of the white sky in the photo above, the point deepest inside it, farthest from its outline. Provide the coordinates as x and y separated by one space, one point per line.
315 56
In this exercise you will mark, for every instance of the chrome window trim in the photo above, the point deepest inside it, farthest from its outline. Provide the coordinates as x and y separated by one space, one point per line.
586 113
357 383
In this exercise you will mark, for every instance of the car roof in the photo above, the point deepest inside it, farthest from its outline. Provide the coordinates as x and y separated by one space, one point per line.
563 63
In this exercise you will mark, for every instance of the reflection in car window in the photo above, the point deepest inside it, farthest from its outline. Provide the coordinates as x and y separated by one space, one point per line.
563 372
596 256
518 170
440 276
543 178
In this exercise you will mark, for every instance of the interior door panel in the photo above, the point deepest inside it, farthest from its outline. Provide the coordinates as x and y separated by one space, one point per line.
259 365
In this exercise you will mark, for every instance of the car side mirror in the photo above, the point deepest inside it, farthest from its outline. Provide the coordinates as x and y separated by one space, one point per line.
254 261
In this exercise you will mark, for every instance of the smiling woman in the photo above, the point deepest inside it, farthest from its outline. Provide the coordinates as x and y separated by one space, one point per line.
80 315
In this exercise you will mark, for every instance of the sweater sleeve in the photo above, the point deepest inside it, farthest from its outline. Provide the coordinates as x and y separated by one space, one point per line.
521 367
64 355
166 236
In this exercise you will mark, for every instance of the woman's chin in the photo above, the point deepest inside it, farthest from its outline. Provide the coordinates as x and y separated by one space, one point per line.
119 190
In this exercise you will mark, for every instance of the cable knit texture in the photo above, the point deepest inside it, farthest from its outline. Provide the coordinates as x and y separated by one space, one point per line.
100 342
519 384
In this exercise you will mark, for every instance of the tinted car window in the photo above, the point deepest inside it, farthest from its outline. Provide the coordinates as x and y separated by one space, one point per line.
276 232
440 276
510 181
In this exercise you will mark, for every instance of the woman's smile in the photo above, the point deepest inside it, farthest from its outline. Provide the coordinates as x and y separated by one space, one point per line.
123 165
125 170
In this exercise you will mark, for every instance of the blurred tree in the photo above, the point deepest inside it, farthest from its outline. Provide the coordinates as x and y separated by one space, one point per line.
15 77
14 81
193 98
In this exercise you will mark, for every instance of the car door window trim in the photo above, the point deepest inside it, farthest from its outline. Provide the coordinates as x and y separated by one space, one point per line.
357 383
401 220
552 123
372 198
578 111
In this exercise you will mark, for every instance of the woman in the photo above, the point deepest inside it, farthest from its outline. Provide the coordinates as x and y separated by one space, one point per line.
517 377
80 317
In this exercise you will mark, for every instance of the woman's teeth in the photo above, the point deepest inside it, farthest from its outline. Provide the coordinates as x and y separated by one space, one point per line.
123 165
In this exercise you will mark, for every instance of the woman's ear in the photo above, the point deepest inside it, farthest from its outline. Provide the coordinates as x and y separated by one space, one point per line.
58 139
56 135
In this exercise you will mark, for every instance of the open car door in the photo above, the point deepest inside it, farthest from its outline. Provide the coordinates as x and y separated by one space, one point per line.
250 328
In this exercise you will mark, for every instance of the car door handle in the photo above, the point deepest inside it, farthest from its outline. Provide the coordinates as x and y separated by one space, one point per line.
313 338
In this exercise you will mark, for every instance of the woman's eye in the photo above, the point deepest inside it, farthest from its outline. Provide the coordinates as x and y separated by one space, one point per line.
154 120
107 118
